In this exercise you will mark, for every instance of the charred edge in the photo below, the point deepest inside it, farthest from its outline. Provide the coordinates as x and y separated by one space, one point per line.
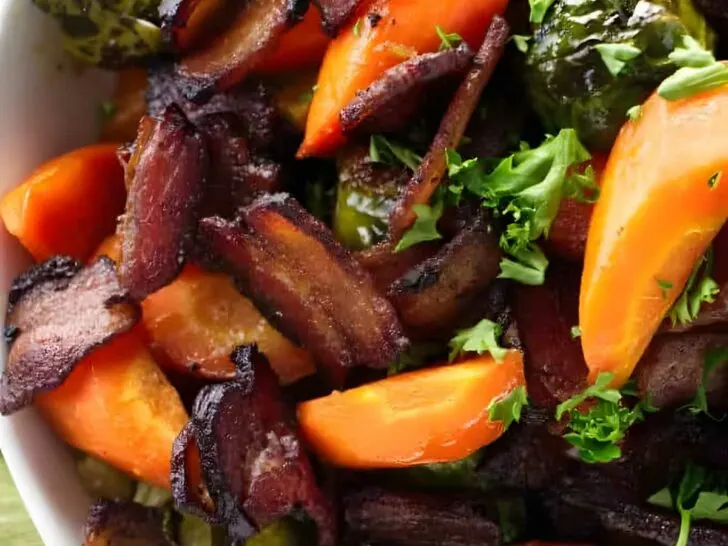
54 269
111 521
374 19
184 497
243 357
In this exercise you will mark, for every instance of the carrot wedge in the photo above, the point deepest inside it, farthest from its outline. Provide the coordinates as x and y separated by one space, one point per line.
427 416
68 205
118 406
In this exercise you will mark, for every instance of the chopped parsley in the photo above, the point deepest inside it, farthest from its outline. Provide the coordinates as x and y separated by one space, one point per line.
575 332
598 420
714 358
521 42
383 150
481 338
664 287
448 40
424 227
700 288
699 71
635 112
415 356
616 56
538 10
508 409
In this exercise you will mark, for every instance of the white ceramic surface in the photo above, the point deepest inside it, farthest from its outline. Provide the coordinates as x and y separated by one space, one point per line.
47 106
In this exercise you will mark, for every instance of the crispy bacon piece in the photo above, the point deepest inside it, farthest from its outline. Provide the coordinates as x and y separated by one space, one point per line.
448 290
58 313
334 13
165 177
124 523
236 50
428 176
567 235
311 286
378 516
386 266
387 104
555 367
252 458
188 488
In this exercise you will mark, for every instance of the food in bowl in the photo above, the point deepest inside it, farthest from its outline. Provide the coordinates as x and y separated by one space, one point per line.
387 272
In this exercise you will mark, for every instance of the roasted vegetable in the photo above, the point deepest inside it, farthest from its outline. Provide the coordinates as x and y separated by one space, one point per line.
112 523
111 34
101 480
592 60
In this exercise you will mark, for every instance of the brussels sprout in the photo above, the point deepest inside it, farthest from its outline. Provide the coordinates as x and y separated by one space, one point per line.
592 60
100 479
193 531
365 196
108 33
151 496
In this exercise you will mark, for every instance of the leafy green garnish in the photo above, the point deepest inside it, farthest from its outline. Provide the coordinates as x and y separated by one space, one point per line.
575 332
713 359
664 287
538 10
508 409
425 226
151 496
700 288
597 429
415 356
700 71
448 40
481 338
528 267
521 42
383 150
616 56
635 112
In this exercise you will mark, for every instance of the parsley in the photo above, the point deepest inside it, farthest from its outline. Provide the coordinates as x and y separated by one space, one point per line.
357 28
481 338
529 266
448 41
699 71
538 10
699 289
714 180
714 358
424 227
508 408
575 332
664 287
635 112
597 430
616 56
415 356
383 150
107 110
521 42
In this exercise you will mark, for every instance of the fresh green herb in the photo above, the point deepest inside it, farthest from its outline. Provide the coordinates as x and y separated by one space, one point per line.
357 28
616 56
521 42
508 409
107 110
528 267
714 358
481 338
151 496
700 71
538 10
448 41
714 180
597 430
424 227
664 287
635 112
582 186
383 150
575 332
461 473
699 289
415 356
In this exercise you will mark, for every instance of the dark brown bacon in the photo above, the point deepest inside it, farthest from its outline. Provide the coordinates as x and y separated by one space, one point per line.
58 313
187 23
308 284
387 104
124 523
165 177
188 489
334 13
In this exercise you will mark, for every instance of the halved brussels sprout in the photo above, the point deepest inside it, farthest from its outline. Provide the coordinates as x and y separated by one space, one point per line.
568 78
108 33
100 479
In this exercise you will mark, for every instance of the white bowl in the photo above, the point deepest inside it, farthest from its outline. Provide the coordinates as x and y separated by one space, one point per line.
47 106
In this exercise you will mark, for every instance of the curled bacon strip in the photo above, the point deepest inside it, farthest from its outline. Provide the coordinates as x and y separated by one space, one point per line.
334 13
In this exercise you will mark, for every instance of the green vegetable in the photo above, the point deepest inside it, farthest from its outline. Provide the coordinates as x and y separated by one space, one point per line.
285 532
103 480
592 60
700 288
539 9
461 473
597 430
448 41
415 356
521 42
425 226
664 287
714 358
193 531
509 408
575 332
635 112
357 27
383 150
481 338
108 33
151 496
699 71
366 193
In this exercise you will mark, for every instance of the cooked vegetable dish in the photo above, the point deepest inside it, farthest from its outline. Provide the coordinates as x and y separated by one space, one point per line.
388 273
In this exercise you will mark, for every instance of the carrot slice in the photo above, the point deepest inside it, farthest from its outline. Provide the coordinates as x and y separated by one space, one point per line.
111 247
68 205
427 416
118 406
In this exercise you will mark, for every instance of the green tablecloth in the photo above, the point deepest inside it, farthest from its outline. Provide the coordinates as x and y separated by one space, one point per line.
15 526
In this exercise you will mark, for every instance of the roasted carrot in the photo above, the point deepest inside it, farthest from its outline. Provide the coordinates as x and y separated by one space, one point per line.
427 416
118 406
126 108
397 30
198 320
661 204
68 205
111 247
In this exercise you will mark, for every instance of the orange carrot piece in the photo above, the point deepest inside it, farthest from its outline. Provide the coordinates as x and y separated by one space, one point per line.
129 106
118 406
68 205
111 247
661 204
354 60
427 416
198 320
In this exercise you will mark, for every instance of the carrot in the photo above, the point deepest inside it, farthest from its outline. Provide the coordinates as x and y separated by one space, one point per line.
198 320
111 247
68 205
661 204
118 406
128 106
302 46
427 416
356 59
